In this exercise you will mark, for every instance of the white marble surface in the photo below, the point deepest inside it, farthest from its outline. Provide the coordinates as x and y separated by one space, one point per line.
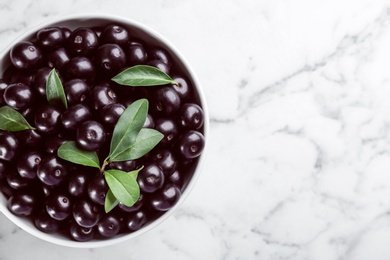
298 162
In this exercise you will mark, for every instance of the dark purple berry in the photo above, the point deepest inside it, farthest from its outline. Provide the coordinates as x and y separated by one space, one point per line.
78 182
50 38
18 96
45 223
22 203
79 68
182 88
57 58
110 59
51 170
15 181
76 91
191 116
86 213
135 207
74 116
58 205
27 164
166 198
108 226
168 128
167 101
82 41
136 53
40 80
25 55
151 178
115 34
110 114
9 146
90 135
47 119
81 234
136 220
97 190
166 161
192 144
101 96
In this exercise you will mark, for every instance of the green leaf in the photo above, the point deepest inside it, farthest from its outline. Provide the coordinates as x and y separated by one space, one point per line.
123 186
146 140
110 201
70 152
128 126
11 120
143 75
55 93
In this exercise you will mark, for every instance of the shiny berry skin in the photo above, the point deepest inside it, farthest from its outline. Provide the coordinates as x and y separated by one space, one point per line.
110 114
191 116
74 116
182 88
160 65
81 234
101 96
90 135
66 32
45 223
9 146
151 178
18 96
115 34
76 91
25 55
159 54
47 119
175 178
97 190
52 170
191 144
136 206
149 122
166 198
59 205
40 80
135 53
3 86
79 68
165 159
136 220
168 128
109 226
27 164
167 101
82 41
110 58
15 181
86 213
50 38
22 203
57 58
78 182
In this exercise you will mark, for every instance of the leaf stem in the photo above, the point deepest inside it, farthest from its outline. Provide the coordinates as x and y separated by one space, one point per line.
105 163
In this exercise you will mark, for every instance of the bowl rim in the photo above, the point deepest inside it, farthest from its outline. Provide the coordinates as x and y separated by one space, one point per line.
25 224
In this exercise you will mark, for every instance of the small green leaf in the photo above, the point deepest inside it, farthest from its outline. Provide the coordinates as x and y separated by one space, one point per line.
110 201
70 152
11 120
54 90
143 75
146 140
128 126
123 186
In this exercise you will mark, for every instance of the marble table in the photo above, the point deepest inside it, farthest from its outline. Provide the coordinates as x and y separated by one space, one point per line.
298 158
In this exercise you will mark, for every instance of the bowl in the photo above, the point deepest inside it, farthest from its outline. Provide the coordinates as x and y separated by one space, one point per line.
152 38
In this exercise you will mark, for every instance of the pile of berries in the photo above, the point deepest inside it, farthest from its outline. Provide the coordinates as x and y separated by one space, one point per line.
65 198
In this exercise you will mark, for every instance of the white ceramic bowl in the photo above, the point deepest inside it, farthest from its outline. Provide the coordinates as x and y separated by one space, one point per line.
150 36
